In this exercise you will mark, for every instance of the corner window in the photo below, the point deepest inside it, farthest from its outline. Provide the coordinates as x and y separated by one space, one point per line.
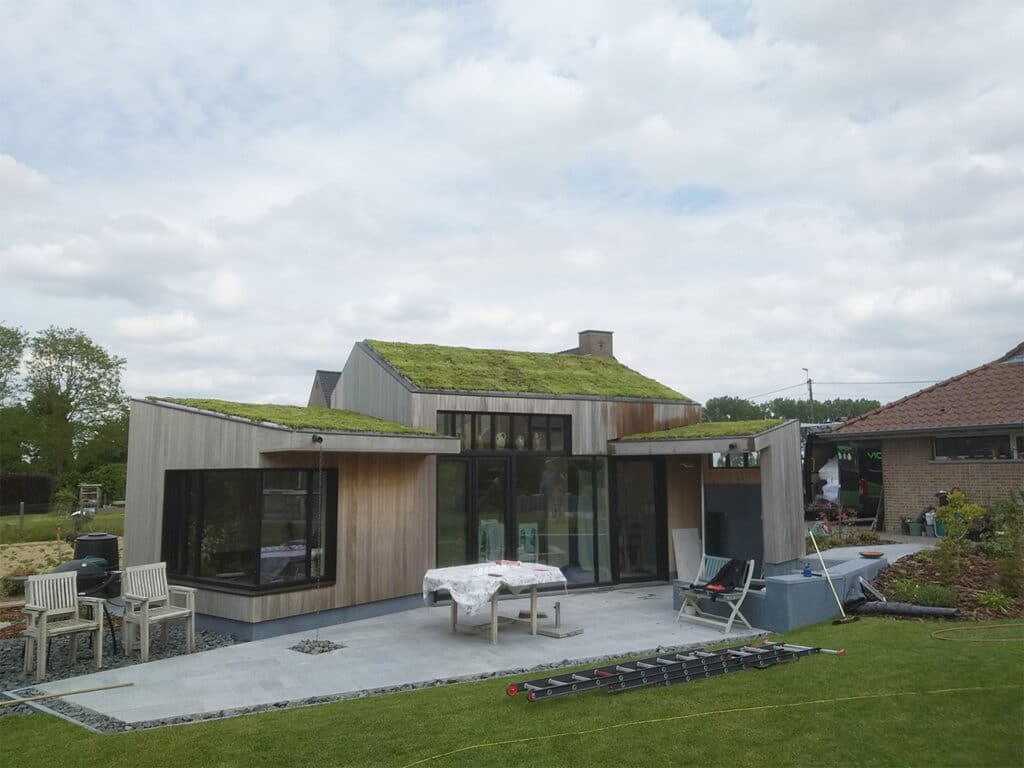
252 529
990 447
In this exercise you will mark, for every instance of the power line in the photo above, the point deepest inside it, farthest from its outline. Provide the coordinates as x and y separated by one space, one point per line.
876 383
764 394
843 384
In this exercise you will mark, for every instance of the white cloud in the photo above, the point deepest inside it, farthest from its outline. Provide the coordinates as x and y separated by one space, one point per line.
157 327
737 190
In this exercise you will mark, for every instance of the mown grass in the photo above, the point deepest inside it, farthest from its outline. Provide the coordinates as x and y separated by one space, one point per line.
44 527
462 369
900 697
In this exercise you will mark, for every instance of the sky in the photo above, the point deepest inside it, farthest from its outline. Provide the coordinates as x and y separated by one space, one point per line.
230 195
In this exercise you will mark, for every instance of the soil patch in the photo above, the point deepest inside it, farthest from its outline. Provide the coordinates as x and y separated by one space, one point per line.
978 573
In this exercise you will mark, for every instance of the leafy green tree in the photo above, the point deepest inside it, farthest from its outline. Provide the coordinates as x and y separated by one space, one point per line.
15 434
12 347
728 408
73 387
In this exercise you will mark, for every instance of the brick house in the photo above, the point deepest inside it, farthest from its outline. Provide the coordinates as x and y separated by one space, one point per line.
966 431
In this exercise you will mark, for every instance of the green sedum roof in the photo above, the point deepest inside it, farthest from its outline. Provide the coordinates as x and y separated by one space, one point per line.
706 429
461 369
297 417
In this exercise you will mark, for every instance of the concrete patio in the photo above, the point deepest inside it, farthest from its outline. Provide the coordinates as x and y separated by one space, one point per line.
409 649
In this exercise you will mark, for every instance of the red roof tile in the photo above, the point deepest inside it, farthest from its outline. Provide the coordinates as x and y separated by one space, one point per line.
990 395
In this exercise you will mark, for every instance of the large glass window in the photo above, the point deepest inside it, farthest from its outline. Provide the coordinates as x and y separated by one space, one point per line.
639 518
452 521
250 528
535 508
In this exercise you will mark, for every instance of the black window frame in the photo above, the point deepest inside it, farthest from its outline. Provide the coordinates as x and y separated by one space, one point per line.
184 511
976 448
541 425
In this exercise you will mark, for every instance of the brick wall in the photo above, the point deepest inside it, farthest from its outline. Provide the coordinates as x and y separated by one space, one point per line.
911 478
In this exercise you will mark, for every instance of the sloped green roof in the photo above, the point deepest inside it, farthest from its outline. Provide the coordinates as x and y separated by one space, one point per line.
707 429
461 369
297 417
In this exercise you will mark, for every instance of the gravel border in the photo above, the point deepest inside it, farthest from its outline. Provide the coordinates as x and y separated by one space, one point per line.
102 724
13 677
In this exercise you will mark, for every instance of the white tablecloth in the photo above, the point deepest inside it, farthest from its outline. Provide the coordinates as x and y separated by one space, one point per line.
472 586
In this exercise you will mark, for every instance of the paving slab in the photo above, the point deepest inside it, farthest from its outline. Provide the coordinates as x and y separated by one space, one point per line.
413 648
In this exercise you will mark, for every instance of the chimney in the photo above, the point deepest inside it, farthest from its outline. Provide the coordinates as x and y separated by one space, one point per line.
597 343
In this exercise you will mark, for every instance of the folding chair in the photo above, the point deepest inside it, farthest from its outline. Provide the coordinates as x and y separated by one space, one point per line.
719 579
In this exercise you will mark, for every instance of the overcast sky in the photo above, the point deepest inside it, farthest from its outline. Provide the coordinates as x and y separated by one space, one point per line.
231 195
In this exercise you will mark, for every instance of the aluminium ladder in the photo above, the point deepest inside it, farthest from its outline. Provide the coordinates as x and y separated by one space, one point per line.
666 669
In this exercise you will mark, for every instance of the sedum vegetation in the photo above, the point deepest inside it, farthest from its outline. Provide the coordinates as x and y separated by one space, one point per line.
706 429
462 369
297 417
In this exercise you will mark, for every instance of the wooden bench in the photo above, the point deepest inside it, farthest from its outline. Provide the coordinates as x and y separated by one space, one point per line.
149 600
52 608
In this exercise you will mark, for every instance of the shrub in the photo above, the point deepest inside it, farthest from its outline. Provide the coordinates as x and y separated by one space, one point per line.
958 515
64 501
11 588
935 595
994 600
1010 575
1004 533
903 591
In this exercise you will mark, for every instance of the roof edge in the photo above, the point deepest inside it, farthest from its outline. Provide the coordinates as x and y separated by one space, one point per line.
156 401
932 388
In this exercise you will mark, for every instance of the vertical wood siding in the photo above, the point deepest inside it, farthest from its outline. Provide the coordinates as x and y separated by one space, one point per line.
367 387
386 508
683 497
781 498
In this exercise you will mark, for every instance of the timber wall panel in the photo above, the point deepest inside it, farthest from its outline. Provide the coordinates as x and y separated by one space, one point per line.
367 387
730 475
683 497
385 526
782 514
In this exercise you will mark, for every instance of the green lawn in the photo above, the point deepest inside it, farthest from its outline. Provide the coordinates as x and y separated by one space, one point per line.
899 697
43 527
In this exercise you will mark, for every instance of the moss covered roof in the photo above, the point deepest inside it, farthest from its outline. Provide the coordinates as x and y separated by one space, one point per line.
461 369
297 417
708 429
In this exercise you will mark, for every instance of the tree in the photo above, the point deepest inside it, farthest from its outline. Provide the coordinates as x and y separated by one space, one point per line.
73 388
726 408
12 347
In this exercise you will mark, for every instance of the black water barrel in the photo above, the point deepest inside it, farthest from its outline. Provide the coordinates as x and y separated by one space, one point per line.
98 545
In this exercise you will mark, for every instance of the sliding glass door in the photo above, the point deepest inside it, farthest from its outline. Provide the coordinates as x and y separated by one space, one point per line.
641 553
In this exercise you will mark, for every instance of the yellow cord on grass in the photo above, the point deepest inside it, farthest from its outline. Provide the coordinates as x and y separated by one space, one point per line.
938 634
506 742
